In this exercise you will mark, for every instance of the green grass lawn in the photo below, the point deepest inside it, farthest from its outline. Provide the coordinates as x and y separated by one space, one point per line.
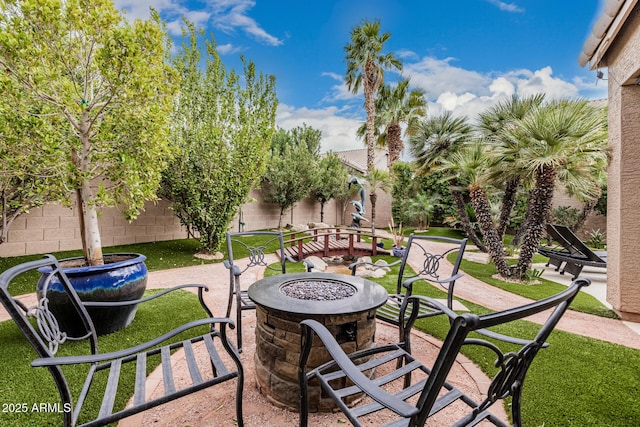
23 384
577 381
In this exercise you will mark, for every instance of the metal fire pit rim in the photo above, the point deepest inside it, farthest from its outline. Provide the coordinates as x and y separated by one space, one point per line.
266 293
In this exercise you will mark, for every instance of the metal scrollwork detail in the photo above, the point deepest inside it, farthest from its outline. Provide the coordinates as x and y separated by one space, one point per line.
511 368
431 265
47 324
256 256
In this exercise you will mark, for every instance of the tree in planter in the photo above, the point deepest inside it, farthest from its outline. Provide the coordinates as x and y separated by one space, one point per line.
331 174
29 176
109 81
290 173
226 123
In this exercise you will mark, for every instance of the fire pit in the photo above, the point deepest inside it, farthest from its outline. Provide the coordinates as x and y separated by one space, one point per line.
346 305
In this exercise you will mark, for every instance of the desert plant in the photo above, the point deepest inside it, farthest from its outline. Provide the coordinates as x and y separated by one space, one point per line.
398 237
597 239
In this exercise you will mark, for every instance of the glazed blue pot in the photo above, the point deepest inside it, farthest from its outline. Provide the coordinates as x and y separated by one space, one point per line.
123 277
398 252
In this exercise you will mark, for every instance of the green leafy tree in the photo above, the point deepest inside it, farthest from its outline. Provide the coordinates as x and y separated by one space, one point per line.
224 125
331 173
107 89
290 173
345 193
365 69
402 175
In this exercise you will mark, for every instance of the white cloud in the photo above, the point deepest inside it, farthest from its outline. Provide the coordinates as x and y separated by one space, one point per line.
227 15
340 91
228 48
230 15
338 130
506 7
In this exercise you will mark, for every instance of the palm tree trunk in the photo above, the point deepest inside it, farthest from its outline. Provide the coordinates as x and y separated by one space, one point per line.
587 208
394 143
540 206
373 197
370 86
489 232
508 202
466 222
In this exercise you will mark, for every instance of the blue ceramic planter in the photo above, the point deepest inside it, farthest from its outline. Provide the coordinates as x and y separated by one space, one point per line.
398 252
123 277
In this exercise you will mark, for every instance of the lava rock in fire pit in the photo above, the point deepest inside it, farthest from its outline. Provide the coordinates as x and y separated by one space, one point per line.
318 290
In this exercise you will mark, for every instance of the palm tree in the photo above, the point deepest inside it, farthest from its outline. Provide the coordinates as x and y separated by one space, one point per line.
492 123
365 68
436 139
560 140
378 180
396 106
421 207
471 164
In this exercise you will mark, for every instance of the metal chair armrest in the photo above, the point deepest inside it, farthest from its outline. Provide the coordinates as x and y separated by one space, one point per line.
391 402
103 357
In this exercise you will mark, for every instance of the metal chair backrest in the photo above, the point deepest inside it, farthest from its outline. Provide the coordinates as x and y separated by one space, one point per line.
254 245
44 333
431 265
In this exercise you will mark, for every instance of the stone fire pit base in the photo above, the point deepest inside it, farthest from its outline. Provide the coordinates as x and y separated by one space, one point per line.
278 353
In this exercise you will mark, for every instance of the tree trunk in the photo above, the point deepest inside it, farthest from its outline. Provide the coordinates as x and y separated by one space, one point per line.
489 232
540 206
89 227
394 143
587 208
370 87
466 222
508 202
280 218
321 211
373 197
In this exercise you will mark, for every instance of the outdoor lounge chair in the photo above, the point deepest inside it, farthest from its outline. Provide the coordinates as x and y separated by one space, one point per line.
575 253
394 380
254 245
104 370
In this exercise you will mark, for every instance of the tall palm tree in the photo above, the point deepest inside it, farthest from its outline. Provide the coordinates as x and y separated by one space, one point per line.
378 179
492 123
396 106
365 68
436 139
562 139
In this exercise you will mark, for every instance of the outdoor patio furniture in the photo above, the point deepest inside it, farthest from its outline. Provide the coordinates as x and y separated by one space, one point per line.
253 245
432 270
103 370
575 254
389 375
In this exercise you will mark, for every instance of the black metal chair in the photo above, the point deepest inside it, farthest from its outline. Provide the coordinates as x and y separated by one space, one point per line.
392 379
40 326
432 269
253 245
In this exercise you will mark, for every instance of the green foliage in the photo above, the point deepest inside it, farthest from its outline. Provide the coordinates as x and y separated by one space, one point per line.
106 89
290 173
25 384
331 173
597 239
401 191
565 215
601 205
224 124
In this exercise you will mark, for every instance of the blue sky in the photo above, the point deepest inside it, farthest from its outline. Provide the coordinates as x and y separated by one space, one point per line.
466 55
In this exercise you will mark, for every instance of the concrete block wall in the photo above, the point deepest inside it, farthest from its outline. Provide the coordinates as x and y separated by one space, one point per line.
53 228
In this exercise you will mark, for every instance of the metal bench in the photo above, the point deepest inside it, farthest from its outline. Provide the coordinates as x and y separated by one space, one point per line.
40 327
397 382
